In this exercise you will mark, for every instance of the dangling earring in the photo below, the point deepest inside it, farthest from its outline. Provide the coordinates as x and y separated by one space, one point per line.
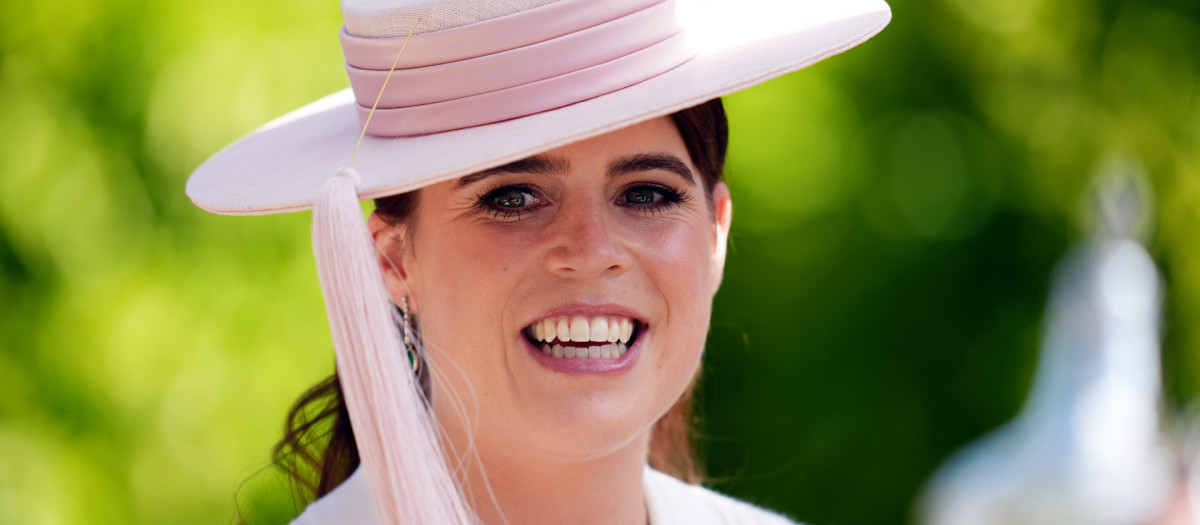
408 332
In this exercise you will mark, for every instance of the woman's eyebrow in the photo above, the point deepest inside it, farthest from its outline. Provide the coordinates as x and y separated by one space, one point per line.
650 162
548 165
537 164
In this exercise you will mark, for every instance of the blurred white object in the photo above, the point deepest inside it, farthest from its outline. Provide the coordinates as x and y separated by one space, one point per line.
1088 446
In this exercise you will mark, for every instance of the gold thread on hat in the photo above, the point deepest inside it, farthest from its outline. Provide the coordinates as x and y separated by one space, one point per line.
381 90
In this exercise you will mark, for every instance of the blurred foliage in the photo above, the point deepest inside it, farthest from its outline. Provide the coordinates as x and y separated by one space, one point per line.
898 212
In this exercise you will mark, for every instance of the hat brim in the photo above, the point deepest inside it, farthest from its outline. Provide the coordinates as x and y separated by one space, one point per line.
282 166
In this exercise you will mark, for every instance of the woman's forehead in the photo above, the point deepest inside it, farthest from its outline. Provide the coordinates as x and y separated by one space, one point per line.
651 145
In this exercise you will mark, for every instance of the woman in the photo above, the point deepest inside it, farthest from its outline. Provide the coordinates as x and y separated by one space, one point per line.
556 223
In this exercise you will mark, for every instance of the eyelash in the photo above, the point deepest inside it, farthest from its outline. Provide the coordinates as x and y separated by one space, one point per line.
486 200
670 197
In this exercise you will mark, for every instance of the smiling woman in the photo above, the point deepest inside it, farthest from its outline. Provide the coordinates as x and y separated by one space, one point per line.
588 235
557 226
647 186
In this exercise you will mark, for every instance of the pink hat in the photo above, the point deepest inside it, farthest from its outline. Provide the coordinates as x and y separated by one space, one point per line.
484 83
451 87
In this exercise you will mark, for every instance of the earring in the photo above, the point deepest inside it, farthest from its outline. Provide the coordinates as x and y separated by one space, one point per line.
408 332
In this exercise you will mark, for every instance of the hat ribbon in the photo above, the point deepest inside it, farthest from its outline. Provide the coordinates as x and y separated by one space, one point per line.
565 52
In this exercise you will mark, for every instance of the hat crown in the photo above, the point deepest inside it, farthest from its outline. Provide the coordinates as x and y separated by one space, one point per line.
497 68
394 18
498 88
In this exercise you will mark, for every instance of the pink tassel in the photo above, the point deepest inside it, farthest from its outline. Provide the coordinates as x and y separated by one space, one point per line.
393 428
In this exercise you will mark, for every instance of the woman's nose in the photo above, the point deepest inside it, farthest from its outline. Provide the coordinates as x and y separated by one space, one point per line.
587 244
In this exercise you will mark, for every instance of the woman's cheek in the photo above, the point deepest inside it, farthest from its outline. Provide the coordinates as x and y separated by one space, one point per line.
678 245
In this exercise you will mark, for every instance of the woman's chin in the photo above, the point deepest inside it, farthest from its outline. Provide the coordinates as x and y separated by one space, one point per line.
580 424
585 441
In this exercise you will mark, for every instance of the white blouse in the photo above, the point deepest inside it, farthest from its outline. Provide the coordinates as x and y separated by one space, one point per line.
670 502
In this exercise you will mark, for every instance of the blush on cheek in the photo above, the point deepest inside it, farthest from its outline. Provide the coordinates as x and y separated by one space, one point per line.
679 248
678 262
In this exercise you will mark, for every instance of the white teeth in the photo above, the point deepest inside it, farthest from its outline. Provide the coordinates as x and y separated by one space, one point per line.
562 330
611 351
580 329
609 336
599 329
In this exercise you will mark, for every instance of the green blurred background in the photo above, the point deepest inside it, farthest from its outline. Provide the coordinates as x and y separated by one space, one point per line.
899 210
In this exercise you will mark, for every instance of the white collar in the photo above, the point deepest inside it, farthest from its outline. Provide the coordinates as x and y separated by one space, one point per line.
668 501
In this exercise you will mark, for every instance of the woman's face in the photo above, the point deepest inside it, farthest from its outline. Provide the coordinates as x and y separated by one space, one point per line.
508 269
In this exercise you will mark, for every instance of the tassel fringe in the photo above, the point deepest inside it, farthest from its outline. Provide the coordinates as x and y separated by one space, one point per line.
395 433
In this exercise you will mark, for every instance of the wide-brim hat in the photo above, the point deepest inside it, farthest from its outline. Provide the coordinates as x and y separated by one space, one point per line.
441 89
483 83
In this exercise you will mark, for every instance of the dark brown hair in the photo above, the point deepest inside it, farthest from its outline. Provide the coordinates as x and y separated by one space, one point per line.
318 450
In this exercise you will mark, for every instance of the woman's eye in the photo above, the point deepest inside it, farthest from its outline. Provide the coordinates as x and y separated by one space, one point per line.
642 196
651 197
511 198
509 202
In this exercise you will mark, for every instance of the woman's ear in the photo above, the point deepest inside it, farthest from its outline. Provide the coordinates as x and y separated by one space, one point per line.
723 217
390 246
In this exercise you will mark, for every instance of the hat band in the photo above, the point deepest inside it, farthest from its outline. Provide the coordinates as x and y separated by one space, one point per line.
523 65
484 38
620 48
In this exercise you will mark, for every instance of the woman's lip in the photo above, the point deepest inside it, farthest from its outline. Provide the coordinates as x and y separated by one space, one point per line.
579 366
588 310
